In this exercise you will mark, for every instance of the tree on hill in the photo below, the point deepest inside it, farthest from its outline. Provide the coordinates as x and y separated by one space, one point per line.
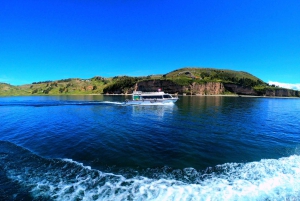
121 84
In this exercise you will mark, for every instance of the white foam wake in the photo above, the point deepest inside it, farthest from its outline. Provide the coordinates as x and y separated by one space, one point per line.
268 179
111 102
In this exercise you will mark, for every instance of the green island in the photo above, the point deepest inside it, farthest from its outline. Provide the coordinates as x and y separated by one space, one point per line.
185 81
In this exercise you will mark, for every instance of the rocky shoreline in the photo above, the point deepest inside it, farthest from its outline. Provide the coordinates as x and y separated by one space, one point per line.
206 89
219 95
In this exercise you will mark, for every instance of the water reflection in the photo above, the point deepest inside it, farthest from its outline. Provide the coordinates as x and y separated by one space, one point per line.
145 111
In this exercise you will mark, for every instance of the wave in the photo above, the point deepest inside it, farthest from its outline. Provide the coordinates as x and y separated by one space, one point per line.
65 179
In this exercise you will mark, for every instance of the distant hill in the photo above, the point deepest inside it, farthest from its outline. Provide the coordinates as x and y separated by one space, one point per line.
202 81
186 76
64 86
10 90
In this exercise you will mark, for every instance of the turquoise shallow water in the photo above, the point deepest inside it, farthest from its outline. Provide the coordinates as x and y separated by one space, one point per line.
200 148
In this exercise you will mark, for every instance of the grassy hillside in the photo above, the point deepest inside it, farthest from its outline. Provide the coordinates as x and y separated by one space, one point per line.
94 85
123 84
186 76
66 86
10 90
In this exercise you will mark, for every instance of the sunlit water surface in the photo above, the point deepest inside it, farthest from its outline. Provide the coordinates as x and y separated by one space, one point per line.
200 148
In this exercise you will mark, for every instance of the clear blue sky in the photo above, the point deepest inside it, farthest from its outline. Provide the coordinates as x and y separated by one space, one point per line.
57 39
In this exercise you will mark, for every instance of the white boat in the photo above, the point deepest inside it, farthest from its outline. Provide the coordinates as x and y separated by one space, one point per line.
146 98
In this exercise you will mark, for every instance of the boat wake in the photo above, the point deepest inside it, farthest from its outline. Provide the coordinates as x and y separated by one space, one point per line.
64 179
73 103
58 103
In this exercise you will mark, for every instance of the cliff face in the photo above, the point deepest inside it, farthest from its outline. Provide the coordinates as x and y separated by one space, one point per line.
237 89
210 88
283 93
269 92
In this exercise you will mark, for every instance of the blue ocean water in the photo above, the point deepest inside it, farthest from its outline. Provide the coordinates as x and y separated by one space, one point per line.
200 148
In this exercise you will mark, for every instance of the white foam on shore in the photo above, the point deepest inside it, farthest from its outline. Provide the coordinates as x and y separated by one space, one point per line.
268 179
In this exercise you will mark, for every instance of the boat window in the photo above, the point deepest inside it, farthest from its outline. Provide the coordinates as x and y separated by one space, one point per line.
136 97
152 97
167 96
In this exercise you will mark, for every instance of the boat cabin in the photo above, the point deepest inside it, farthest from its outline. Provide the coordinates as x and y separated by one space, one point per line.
150 95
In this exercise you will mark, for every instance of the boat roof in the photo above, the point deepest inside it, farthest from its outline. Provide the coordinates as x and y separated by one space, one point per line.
148 93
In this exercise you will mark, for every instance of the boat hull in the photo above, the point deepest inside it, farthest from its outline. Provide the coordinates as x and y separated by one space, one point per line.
151 102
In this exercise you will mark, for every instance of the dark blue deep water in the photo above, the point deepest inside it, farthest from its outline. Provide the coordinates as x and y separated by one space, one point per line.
200 148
